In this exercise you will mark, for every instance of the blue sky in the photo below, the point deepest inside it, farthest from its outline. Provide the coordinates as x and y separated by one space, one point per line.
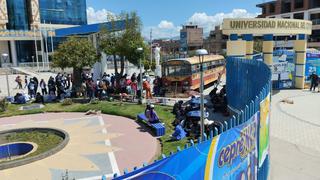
165 17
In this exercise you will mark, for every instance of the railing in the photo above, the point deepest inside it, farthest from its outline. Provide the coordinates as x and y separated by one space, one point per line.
240 143
315 21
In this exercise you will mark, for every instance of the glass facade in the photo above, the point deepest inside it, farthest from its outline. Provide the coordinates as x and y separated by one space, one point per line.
63 11
17 15
25 51
69 12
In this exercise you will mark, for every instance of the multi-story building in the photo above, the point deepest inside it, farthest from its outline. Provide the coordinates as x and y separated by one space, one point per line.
216 42
295 9
168 46
191 38
24 26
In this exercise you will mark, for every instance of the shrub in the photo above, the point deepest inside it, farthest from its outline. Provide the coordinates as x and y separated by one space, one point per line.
67 102
3 105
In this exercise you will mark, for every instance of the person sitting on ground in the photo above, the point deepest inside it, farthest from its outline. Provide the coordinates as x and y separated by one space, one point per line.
213 95
177 107
152 115
178 133
223 91
39 98
19 99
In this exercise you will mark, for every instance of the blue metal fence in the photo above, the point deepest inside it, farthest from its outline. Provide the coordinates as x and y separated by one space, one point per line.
248 84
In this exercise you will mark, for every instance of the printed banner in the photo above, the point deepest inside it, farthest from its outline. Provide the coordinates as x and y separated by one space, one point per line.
233 155
264 129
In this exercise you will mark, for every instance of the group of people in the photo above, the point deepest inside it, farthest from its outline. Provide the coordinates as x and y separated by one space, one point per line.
56 87
110 84
219 100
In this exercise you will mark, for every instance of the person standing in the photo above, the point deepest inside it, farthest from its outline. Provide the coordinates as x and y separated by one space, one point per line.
25 81
36 84
19 82
31 88
146 86
314 81
43 87
52 86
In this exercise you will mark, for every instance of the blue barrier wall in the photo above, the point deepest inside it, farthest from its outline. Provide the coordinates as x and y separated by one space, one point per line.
234 151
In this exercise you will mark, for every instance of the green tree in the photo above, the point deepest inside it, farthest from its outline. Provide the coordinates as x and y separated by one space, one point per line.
124 44
75 53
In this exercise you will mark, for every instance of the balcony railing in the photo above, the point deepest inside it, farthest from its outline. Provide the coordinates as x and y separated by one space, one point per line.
316 21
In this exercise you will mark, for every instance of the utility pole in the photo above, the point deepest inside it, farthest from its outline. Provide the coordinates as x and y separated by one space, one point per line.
150 49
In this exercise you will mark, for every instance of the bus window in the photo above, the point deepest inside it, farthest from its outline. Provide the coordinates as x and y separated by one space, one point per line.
178 70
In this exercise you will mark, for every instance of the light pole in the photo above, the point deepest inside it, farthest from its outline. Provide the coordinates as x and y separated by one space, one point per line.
140 51
5 58
32 61
201 53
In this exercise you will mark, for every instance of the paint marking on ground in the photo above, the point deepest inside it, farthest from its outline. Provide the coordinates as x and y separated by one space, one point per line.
40 122
104 131
97 177
7 125
101 120
107 142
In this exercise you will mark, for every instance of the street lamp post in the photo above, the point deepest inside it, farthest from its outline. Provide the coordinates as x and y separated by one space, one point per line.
140 50
5 58
201 53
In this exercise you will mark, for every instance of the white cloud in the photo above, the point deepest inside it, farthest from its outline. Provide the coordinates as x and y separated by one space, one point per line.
165 25
167 29
209 21
98 16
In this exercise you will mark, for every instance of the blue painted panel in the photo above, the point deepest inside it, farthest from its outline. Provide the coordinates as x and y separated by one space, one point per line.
91 28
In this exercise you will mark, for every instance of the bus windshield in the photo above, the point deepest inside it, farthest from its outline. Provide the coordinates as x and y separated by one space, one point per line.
175 70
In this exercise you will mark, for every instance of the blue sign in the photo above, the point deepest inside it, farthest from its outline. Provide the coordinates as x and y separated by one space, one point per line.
312 64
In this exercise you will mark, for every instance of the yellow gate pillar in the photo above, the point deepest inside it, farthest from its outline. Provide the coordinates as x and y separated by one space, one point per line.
249 45
236 47
300 47
268 49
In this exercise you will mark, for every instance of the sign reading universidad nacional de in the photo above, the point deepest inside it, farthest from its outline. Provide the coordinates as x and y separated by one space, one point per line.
260 26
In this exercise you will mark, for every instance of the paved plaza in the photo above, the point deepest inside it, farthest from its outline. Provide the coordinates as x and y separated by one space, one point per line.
99 145
295 135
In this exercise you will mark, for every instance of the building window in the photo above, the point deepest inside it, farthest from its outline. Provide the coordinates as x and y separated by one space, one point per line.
63 11
298 4
315 18
272 8
264 10
314 4
286 6
315 36
298 16
17 15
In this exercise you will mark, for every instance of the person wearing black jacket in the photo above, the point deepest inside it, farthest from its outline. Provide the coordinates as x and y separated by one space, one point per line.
52 86
314 81
36 84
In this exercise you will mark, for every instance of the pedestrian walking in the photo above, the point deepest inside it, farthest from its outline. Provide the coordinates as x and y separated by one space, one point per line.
25 81
314 81
19 82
